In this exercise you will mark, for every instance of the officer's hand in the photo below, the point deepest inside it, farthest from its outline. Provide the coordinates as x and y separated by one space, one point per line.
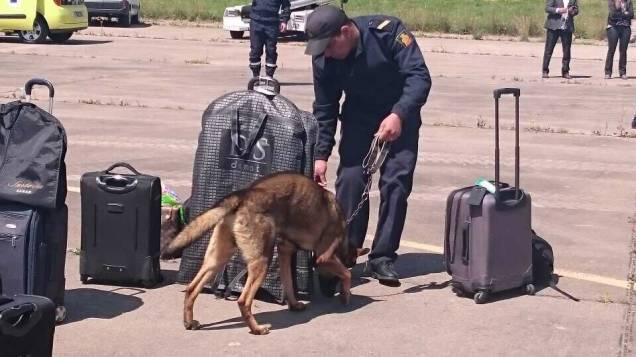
390 128
320 172
283 27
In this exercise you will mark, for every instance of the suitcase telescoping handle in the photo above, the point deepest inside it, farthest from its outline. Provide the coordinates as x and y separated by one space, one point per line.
118 183
19 320
28 89
516 92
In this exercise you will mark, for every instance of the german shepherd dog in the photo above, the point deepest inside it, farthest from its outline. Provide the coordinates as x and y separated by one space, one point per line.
286 205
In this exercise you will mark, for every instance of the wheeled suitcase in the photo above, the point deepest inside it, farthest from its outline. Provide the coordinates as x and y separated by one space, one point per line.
246 135
488 240
27 326
121 222
33 252
33 215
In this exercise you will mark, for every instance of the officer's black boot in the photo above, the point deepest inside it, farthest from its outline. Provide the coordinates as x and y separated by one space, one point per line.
270 69
383 270
256 69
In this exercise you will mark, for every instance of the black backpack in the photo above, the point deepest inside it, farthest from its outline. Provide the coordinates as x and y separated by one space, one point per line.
542 261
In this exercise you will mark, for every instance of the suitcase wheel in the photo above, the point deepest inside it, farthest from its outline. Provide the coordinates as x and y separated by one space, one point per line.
480 297
60 314
530 289
458 291
84 278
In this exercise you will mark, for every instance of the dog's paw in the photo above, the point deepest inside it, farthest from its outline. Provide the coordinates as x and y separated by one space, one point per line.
262 329
192 325
298 306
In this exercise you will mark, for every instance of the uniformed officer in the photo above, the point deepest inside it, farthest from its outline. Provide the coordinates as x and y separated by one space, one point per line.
265 25
378 65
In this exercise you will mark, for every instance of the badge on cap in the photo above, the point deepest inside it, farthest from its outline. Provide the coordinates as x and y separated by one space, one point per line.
404 38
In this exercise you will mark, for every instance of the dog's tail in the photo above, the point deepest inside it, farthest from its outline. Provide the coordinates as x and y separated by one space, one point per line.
199 226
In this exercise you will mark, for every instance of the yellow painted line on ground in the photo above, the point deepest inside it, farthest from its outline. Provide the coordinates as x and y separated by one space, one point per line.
592 278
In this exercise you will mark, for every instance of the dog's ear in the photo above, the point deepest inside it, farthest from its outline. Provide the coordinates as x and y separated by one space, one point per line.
362 251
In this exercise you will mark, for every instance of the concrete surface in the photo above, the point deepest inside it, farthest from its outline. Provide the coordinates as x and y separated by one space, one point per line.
137 95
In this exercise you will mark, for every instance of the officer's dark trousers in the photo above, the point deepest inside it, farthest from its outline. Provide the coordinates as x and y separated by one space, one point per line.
552 36
615 35
263 34
395 183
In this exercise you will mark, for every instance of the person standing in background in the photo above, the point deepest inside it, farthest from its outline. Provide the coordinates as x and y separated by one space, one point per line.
619 22
559 24
267 19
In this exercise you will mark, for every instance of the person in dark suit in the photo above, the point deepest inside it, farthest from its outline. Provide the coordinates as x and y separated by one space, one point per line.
619 22
559 24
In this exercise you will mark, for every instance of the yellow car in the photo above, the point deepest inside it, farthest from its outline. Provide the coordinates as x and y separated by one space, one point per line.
35 20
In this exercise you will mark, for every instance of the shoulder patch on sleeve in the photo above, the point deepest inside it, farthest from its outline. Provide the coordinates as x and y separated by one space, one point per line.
404 38
381 23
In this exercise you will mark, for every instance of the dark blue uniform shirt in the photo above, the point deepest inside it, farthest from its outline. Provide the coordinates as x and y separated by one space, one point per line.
385 74
267 10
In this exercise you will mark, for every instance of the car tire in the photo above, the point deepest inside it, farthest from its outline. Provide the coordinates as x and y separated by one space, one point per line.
126 19
237 35
60 37
39 32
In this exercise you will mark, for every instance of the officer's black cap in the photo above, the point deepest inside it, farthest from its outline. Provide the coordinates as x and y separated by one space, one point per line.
322 24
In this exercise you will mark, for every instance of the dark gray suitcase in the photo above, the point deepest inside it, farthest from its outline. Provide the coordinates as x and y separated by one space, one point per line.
33 252
488 240
27 326
121 222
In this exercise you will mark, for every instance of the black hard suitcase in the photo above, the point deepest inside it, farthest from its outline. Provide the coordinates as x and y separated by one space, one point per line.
121 222
27 326
488 240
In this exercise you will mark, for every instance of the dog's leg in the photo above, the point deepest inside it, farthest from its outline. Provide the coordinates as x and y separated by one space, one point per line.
285 253
327 254
219 252
335 267
256 272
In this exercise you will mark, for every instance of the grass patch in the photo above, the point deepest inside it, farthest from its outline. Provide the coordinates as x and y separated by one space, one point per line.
522 18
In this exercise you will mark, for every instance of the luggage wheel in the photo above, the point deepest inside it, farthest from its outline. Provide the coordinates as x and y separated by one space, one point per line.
530 289
60 314
480 297
84 278
458 291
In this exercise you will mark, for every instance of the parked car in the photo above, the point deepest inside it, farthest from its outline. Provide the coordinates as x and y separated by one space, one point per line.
35 20
236 19
126 11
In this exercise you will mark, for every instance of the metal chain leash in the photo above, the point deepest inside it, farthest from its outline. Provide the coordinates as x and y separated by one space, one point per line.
371 163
